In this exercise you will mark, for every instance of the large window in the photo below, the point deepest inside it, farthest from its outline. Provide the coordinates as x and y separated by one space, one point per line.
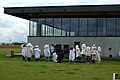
33 27
41 25
92 27
82 26
57 27
49 26
118 26
74 27
65 26
110 26
101 26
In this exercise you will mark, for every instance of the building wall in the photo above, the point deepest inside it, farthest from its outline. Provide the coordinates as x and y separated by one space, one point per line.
104 42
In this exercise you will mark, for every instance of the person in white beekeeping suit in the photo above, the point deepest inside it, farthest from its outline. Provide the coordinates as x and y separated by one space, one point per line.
93 53
52 49
37 53
55 57
71 55
23 46
88 54
29 51
83 53
47 52
77 51
98 54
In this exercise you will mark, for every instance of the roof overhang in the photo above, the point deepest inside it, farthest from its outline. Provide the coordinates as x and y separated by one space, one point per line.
65 11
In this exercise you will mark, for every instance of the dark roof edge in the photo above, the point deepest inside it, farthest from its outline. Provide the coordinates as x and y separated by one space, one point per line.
65 6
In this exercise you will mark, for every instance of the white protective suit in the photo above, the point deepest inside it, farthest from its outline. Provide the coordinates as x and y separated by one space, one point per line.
47 51
29 50
84 50
24 49
55 57
77 51
37 52
98 54
93 52
88 53
52 48
71 55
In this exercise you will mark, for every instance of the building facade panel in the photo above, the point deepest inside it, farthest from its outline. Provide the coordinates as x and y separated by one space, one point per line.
104 42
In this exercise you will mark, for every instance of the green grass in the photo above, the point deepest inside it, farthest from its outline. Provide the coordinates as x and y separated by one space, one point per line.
16 69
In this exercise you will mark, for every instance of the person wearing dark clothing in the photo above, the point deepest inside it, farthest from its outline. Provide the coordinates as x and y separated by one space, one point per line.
62 55
59 58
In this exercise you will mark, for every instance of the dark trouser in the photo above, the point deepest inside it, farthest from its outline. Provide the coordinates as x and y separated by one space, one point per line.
47 58
93 61
83 58
37 59
59 58
71 61
29 59
78 59
23 58
93 58
110 56
87 58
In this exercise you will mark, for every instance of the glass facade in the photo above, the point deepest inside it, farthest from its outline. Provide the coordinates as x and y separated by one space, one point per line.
74 27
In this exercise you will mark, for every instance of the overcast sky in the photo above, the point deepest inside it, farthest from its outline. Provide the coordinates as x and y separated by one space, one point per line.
16 29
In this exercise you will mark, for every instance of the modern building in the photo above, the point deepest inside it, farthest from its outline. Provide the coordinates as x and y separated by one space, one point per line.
70 25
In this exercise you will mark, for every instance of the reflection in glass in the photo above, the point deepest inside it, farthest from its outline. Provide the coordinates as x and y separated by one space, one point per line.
118 26
57 26
92 26
110 26
82 26
41 26
74 27
33 27
65 26
30 28
101 31
49 26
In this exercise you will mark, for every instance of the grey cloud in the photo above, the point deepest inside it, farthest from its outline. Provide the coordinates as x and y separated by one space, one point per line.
4 24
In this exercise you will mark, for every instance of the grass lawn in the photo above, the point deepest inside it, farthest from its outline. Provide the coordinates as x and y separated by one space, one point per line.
16 69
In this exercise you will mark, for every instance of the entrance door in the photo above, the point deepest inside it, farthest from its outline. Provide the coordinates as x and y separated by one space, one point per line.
66 49
77 43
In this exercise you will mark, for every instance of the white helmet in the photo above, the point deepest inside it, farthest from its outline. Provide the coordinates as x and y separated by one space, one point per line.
36 46
29 44
94 45
83 45
77 46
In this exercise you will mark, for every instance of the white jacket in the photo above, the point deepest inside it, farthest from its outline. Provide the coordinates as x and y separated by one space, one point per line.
77 52
98 54
29 51
83 49
52 48
71 55
94 50
23 51
37 52
88 53
47 51
55 57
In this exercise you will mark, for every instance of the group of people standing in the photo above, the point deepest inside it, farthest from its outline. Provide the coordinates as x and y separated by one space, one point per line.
28 51
86 54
